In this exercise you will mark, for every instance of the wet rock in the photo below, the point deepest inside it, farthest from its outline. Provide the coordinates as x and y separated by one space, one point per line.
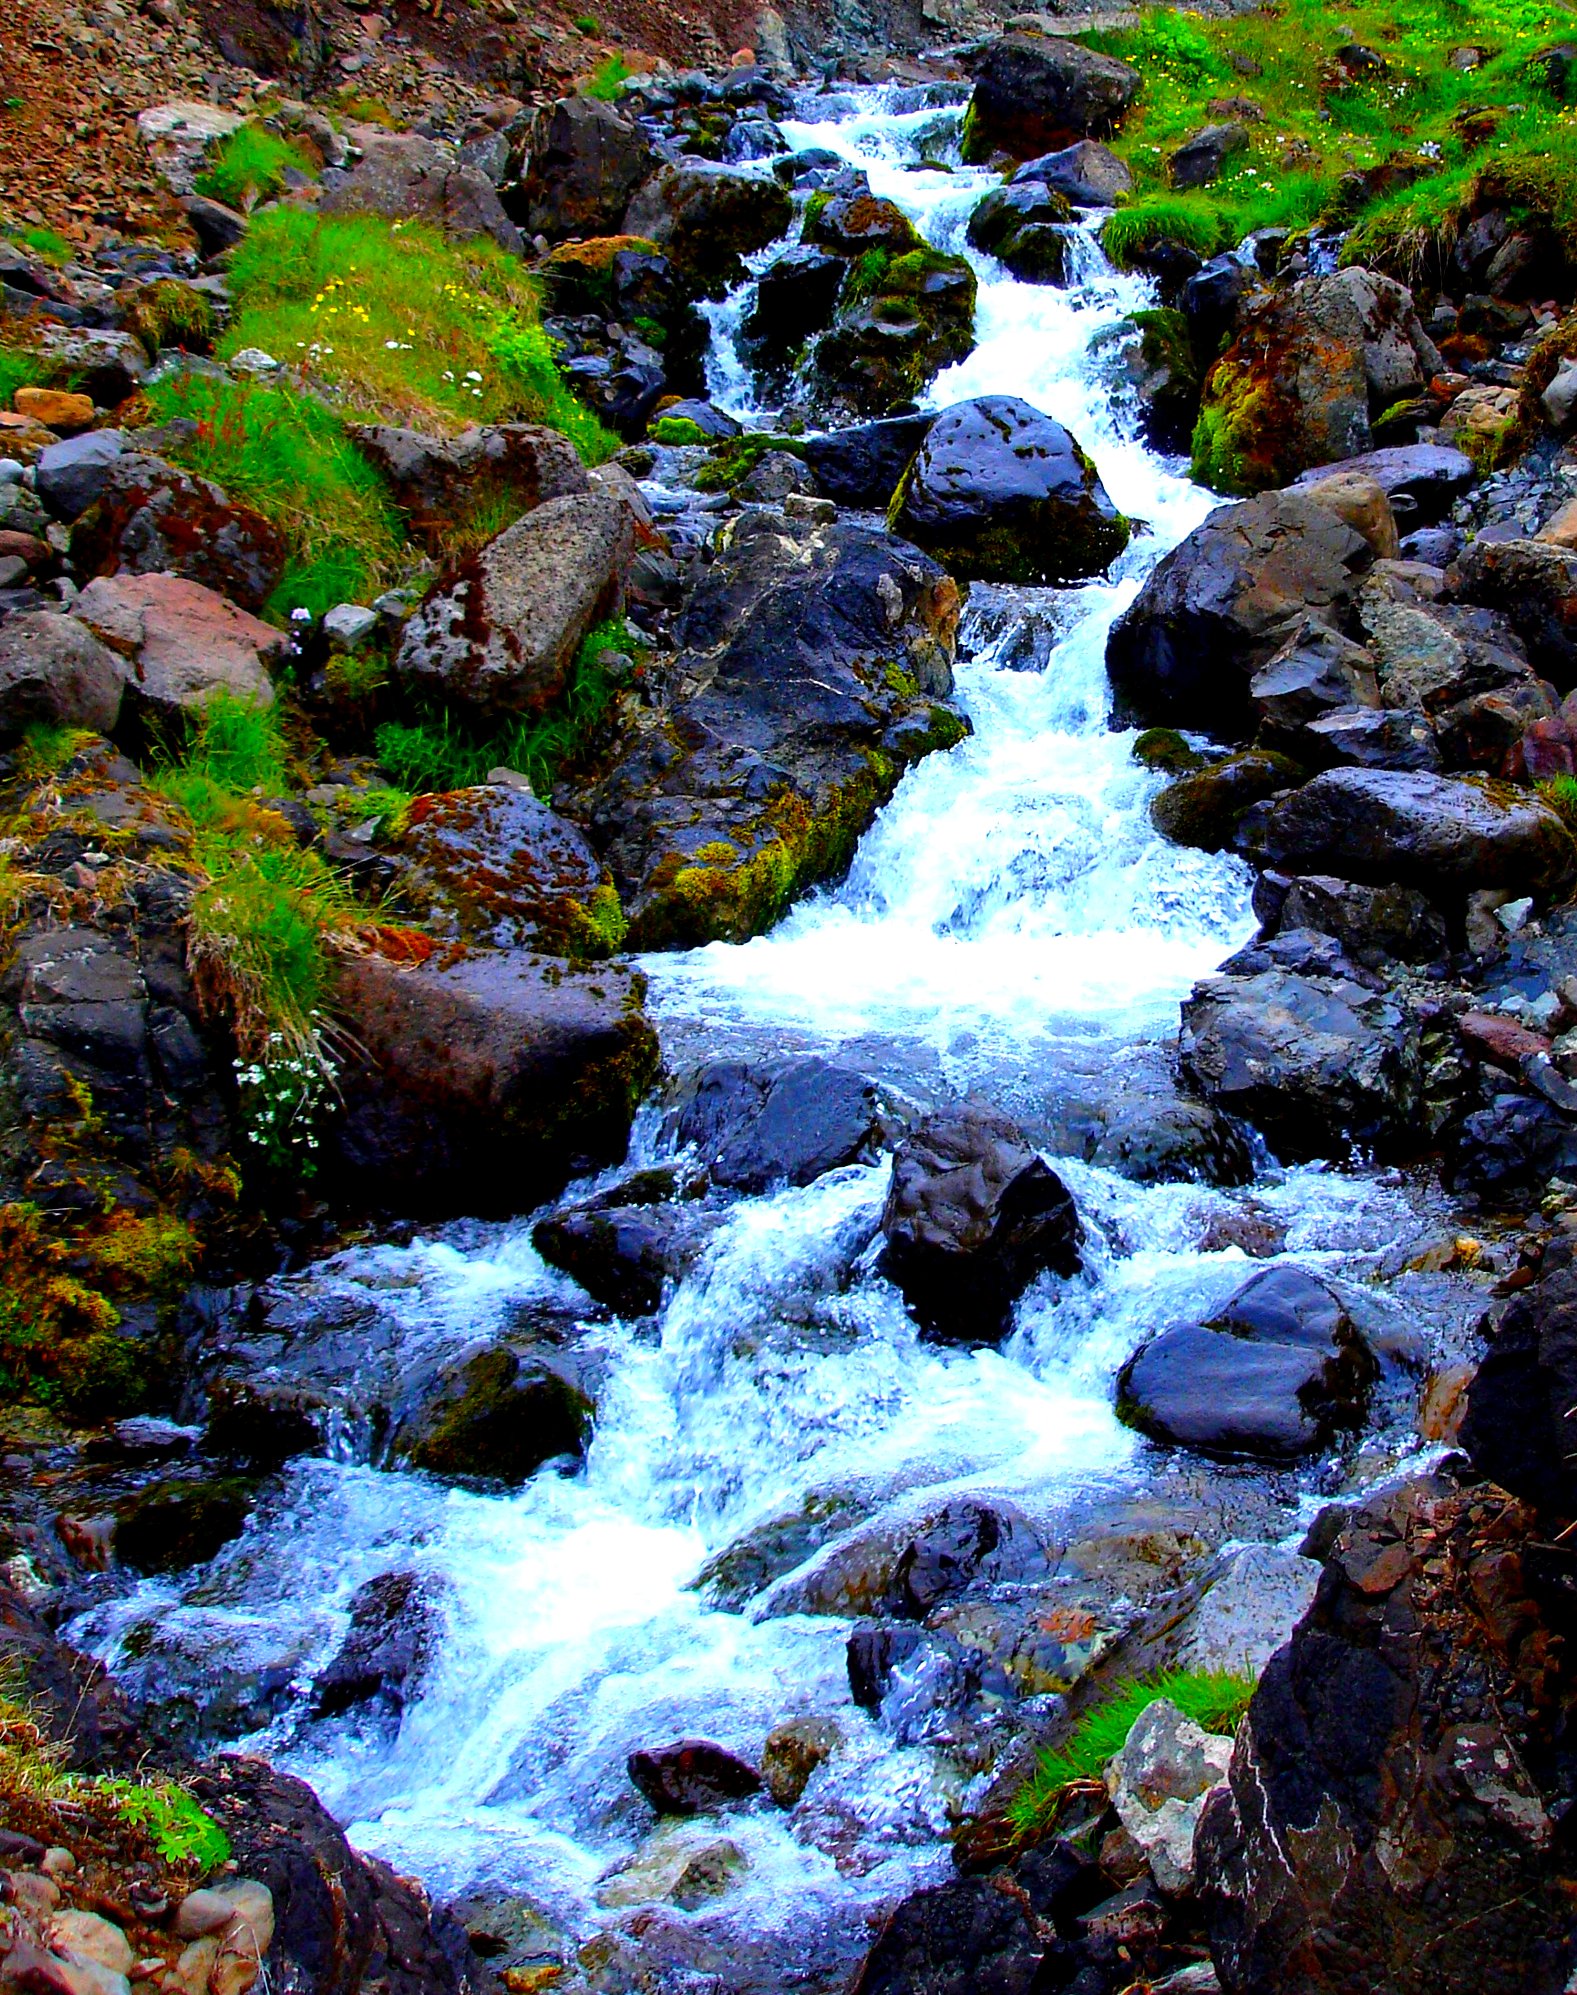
71 475
906 1570
1515 1431
1422 480
676 1866
484 1084
1442 834
1316 1062
1362 503
1315 674
1164 374
169 1526
862 466
796 296
1019 225
1382 1804
1515 1141
149 518
772 478
1216 610
109 366
705 218
435 479
508 872
53 670
499 1416
394 1628
1273 1376
819 655
1373 924
786 1122
1534 586
692 1777
902 317
407 178
957 1939
624 1253
1158 1784
999 492
1088 174
972 1217
1203 808
1036 94
791 1754
500 632
1254 1601
182 642
1201 156
587 162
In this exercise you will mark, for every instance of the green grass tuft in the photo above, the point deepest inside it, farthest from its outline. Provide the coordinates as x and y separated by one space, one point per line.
1560 793
18 369
607 79
250 166
1216 1701
53 248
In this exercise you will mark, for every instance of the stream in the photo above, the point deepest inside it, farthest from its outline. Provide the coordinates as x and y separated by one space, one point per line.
1011 925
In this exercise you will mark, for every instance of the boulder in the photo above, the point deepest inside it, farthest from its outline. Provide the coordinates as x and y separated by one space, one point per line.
499 633
796 297
1533 584
586 163
1018 225
486 1082
1274 1375
902 317
1201 156
1316 1062
170 1525
55 671
1203 807
394 1628
1219 607
821 654
407 178
854 223
1314 674
1158 1784
109 366
498 1415
179 136
972 1216
969 1937
1001 493
1162 368
216 226
1361 501
71 475
1386 1821
1516 1430
862 465
679 1864
623 1251
786 1122
498 868
706 218
1446 835
1036 94
437 479
692 1777
908 1569
149 518
182 642
1088 174
1374 925
1422 480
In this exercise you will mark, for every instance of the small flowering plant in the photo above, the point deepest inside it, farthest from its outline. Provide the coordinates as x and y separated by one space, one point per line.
285 1094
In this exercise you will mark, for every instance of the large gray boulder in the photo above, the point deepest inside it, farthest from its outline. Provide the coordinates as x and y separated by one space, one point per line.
1001 493
500 632
1446 835
54 670
149 517
586 163
786 1122
182 642
437 478
70 475
1220 606
1088 174
413 179
1035 94
972 1216
705 218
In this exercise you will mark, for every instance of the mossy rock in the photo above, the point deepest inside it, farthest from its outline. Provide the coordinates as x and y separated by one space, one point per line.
580 275
1165 749
1203 808
498 1417
182 1522
1166 377
901 320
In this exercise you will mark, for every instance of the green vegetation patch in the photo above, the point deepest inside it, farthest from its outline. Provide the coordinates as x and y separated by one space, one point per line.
18 369
251 165
1215 1700
607 80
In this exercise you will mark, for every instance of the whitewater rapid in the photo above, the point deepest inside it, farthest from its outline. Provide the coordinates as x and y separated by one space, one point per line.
1013 898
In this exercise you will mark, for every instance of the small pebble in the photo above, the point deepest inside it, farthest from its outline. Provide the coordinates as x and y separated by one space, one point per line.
58 1862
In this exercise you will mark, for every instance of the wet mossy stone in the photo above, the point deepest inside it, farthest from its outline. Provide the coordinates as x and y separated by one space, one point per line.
999 492
183 1522
498 1417
1165 749
903 317
1203 807
1021 227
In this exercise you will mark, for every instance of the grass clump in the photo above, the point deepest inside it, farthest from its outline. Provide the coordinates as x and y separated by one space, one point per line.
251 166
403 325
607 79
1560 793
45 243
1215 1700
169 313
288 456
436 752
18 369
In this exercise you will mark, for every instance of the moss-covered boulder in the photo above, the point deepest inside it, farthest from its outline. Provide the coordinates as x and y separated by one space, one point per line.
1000 492
498 1416
823 655
1203 807
1021 227
171 1525
902 317
705 218
1165 375
850 224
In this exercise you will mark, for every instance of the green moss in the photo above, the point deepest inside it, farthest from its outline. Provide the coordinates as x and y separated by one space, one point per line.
1240 420
1165 749
169 313
18 369
1216 1701
46 243
733 459
150 1254
677 430
58 1336
1560 793
600 926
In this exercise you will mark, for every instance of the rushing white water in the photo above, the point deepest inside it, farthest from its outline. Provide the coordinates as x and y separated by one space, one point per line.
1014 891
1012 895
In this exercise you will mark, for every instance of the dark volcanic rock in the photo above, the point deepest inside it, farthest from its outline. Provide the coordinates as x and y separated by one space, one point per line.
1271 1377
1420 479
410 178
705 218
909 1569
1203 807
394 1626
972 1217
586 163
692 1777
1001 493
149 518
437 479
621 1251
977 1936
1385 1824
1220 605
499 1415
862 466
783 1123
1516 1430
1037 93
796 296
1446 835
1088 174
